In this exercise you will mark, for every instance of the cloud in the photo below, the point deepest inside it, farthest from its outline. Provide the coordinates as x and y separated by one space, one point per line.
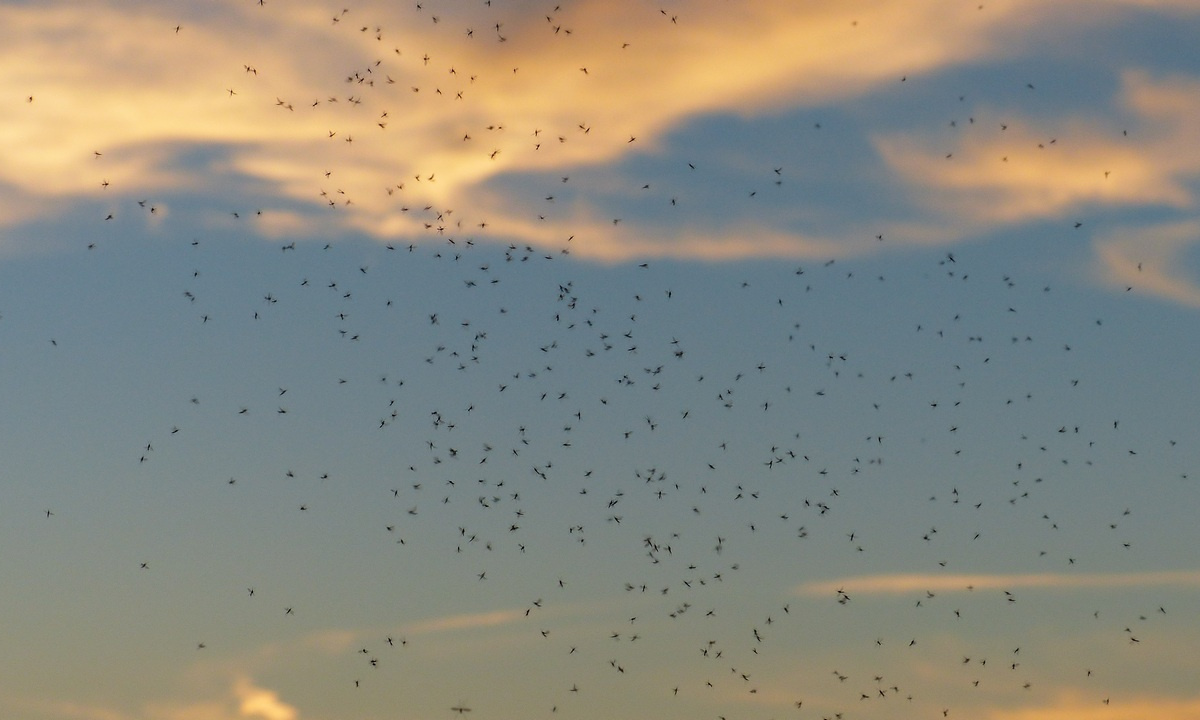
994 176
245 700
210 710
256 702
1184 7
1149 260
330 642
467 621
1073 169
900 583
564 93
65 709
1020 175
1074 707
389 124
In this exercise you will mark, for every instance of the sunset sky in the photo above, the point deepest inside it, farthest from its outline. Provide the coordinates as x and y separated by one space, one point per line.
686 360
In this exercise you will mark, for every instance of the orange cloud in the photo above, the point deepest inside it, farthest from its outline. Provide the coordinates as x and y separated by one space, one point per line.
1073 707
248 701
997 176
256 702
1148 260
1073 167
467 621
1019 175
65 709
899 583
384 110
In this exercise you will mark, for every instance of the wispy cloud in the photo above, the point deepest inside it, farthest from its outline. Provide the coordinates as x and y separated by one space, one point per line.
62 709
335 114
1026 172
1149 260
467 621
900 583
1020 175
1075 707
244 700
210 710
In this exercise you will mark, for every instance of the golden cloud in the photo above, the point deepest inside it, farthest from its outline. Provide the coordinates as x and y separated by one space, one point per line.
1074 707
248 701
900 583
65 709
467 621
256 702
1017 174
1148 260
379 109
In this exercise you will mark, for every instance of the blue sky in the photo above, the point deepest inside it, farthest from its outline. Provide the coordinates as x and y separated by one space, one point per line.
689 360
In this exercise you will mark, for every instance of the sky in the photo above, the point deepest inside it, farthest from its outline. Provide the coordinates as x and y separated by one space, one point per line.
511 359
